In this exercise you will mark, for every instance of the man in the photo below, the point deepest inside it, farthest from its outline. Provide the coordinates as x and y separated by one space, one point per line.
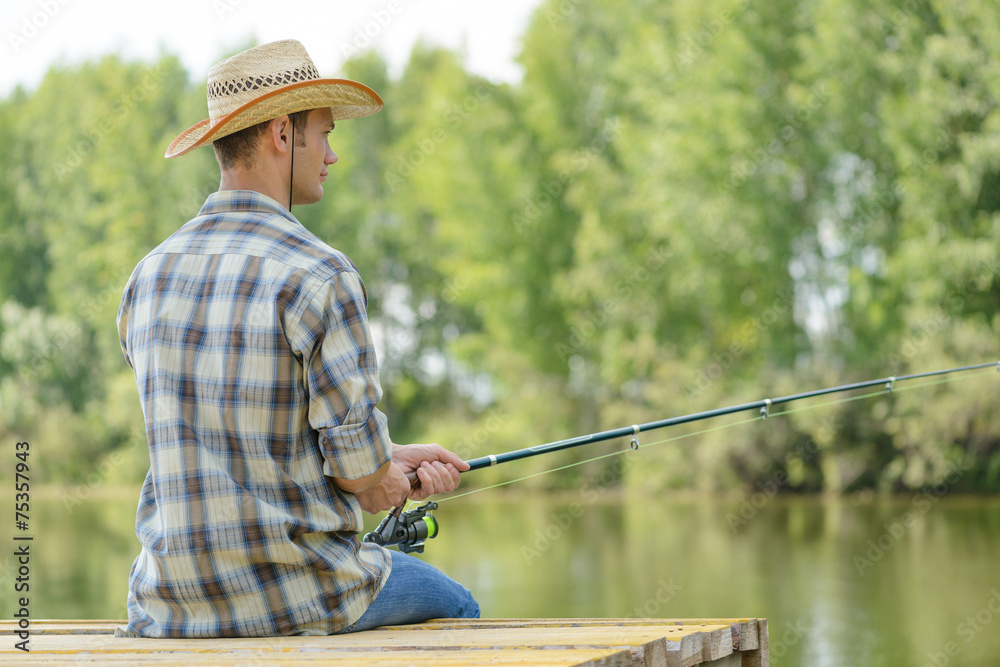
258 381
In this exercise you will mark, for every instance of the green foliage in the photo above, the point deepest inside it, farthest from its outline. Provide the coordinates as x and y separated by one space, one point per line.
681 206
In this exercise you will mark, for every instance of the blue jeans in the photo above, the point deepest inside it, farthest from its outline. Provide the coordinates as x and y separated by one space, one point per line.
416 592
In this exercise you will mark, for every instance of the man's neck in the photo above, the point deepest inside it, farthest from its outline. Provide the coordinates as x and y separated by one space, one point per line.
252 179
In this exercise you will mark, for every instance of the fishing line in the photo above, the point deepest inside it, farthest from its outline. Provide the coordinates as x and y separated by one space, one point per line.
895 390
890 388
604 456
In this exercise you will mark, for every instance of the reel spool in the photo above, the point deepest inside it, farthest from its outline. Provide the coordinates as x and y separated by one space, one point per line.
406 530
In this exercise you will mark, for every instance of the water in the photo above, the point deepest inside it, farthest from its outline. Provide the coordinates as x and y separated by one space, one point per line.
908 581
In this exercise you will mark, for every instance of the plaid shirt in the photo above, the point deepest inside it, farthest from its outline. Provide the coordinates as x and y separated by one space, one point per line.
258 382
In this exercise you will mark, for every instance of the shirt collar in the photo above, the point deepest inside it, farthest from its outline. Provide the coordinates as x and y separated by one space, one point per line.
225 201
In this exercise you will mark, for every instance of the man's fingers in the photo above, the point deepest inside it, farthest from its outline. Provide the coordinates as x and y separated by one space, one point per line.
445 476
430 478
448 475
435 477
445 456
452 458
435 469
452 475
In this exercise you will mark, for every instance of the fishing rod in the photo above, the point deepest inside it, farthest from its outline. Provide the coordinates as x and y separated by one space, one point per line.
764 406
411 529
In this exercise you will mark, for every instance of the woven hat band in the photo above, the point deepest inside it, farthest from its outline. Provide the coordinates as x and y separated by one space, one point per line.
227 96
221 90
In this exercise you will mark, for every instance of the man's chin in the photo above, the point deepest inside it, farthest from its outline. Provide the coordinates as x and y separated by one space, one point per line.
311 198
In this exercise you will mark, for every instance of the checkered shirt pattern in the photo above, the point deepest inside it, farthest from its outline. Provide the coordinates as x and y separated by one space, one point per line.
258 381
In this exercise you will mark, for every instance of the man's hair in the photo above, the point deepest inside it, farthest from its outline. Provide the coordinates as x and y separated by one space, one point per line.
240 147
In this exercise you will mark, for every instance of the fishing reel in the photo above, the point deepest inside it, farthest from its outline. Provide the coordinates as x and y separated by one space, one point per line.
407 530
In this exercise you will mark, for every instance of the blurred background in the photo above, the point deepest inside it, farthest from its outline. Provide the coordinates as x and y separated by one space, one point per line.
571 216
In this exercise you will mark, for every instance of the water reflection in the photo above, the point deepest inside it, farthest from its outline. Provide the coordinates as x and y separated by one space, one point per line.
840 582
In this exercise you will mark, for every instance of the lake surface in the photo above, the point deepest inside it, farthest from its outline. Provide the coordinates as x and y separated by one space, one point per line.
914 580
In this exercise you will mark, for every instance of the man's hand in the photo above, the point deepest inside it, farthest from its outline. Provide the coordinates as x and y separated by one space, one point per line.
389 492
435 467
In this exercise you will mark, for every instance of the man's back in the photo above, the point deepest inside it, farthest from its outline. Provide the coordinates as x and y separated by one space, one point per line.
252 355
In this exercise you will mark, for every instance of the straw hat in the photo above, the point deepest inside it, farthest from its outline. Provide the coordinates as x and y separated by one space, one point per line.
266 82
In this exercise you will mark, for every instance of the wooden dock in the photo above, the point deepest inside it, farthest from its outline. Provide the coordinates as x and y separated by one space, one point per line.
590 642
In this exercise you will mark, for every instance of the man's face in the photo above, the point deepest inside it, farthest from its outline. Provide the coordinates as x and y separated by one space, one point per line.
313 156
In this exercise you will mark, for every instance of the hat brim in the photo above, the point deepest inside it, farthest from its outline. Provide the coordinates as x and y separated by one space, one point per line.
346 99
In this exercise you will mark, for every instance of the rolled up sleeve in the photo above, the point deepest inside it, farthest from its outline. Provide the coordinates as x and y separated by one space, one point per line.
341 375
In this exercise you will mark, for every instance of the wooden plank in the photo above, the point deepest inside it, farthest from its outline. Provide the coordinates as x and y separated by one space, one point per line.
554 622
65 627
401 639
646 642
716 645
632 646
744 630
759 657
100 626
415 658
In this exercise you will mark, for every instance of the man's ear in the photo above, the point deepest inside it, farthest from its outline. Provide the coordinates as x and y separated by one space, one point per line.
279 133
